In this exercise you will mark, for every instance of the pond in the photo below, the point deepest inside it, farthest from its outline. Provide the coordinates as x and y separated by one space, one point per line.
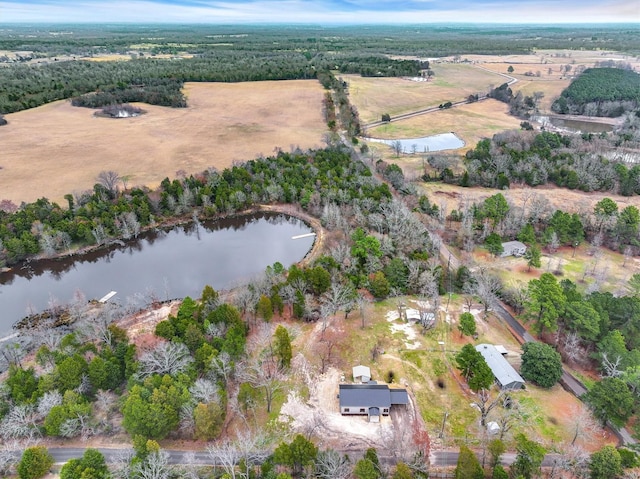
444 141
170 263
572 125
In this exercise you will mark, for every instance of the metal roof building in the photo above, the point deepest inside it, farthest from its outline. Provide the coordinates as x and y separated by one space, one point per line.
513 248
361 373
371 400
506 376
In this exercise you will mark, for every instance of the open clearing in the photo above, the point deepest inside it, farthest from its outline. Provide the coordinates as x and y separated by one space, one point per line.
470 122
424 363
57 149
571 201
375 96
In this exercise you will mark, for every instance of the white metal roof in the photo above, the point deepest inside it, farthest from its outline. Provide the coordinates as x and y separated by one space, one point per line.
501 349
513 244
502 370
360 370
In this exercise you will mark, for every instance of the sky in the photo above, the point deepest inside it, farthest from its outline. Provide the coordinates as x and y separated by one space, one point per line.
320 11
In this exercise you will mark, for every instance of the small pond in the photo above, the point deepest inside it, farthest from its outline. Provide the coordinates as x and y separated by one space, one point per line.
170 263
573 126
444 141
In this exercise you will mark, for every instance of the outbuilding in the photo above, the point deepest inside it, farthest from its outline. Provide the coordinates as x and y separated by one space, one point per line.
513 248
361 374
506 376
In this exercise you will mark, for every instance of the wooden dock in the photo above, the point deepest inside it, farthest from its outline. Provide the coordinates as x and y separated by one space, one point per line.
107 297
306 235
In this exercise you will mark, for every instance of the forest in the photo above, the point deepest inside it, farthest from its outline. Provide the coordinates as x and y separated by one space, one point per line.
587 162
235 53
601 92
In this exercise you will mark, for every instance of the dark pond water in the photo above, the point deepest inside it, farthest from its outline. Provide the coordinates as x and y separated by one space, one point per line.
170 264
575 126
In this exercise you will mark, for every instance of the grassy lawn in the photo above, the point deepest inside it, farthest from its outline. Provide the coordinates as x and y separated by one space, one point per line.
582 269
427 368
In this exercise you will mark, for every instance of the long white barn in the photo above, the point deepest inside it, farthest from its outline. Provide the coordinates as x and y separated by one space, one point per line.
506 376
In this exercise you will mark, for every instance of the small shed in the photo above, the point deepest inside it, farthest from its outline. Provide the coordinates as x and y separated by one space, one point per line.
506 376
361 374
493 428
513 248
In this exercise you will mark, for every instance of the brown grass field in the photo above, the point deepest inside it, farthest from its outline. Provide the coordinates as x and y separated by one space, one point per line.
470 122
58 149
571 201
375 96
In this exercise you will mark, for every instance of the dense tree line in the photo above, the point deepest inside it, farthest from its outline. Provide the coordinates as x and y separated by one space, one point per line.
519 105
377 66
435 40
246 54
159 81
586 162
97 216
151 80
601 92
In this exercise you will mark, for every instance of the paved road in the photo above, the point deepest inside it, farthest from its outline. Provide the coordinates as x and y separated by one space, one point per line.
438 458
450 458
111 455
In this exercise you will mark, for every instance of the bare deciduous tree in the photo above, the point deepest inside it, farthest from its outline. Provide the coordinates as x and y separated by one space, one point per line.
249 449
331 464
485 286
263 373
109 179
222 367
20 423
485 404
165 358
48 401
574 460
610 367
78 426
204 391
10 452
155 466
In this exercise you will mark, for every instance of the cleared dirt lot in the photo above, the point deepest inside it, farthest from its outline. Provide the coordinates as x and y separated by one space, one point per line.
57 149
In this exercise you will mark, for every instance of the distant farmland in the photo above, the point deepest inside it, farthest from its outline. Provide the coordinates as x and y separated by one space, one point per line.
57 149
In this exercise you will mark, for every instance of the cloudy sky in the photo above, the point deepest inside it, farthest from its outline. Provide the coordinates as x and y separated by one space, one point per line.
321 11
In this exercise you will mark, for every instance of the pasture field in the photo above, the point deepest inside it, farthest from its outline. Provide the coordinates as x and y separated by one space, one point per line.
375 96
471 122
57 149
571 201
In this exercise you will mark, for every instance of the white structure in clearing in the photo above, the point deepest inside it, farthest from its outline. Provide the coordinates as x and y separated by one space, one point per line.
361 374
513 248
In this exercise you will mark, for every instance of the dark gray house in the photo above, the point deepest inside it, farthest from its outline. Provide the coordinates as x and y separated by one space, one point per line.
372 400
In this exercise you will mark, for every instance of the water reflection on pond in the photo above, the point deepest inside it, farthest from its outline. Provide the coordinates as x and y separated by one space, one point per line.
444 141
167 263
572 125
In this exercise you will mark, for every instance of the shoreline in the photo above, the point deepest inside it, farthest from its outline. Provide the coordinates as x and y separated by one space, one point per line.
21 325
